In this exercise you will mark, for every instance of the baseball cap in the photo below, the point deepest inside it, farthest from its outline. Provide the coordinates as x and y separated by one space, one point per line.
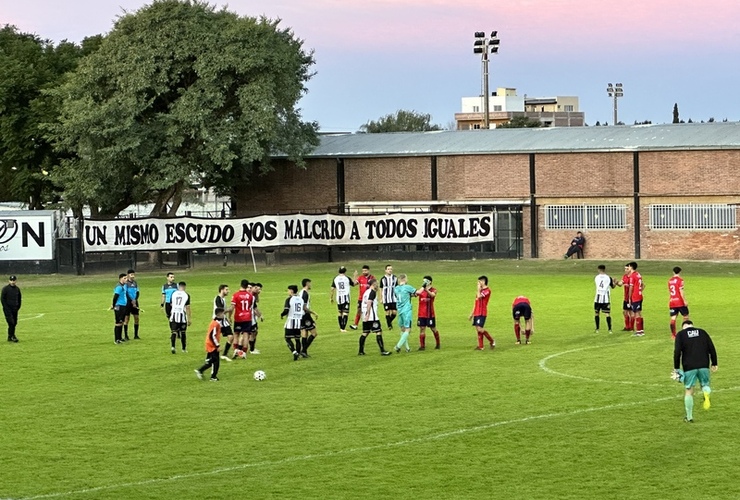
12 278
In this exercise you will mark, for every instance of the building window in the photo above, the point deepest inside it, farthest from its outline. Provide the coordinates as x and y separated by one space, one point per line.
497 107
476 109
567 107
583 217
693 217
476 126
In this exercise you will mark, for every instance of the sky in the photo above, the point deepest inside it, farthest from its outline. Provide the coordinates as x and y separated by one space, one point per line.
374 57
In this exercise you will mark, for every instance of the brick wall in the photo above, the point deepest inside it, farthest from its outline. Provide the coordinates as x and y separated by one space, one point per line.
584 174
689 172
388 179
483 177
288 188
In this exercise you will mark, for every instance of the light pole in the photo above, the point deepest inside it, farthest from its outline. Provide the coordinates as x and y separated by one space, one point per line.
484 45
616 92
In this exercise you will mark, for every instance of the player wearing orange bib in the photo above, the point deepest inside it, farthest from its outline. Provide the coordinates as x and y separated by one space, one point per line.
677 301
213 342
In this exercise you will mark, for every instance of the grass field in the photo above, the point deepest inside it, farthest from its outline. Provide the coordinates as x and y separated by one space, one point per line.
574 415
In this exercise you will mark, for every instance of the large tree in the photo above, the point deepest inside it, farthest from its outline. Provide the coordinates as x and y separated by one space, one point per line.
521 121
29 66
400 121
180 93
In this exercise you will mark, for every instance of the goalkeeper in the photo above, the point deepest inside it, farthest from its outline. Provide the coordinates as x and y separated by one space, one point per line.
403 293
695 351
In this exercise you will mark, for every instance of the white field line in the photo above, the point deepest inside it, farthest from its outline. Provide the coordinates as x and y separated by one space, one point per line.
544 367
364 449
35 316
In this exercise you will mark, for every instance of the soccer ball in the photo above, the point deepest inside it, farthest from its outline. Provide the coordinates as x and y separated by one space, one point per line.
241 354
259 375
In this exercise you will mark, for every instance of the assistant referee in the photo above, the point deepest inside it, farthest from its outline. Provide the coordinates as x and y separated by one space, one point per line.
694 350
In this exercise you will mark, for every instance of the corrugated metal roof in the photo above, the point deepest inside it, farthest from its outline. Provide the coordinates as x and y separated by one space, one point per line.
541 140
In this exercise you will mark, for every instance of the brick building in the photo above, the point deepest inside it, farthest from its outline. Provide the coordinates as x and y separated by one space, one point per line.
645 191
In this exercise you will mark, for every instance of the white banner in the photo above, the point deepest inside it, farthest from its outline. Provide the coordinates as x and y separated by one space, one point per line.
27 235
277 230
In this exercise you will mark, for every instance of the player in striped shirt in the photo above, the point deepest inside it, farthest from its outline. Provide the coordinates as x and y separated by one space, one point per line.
308 323
256 289
339 292
219 302
370 319
213 342
180 317
677 301
293 312
387 285
602 301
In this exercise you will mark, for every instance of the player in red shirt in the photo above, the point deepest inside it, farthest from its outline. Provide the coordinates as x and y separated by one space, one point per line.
426 317
626 309
480 311
635 298
677 302
361 280
521 308
242 302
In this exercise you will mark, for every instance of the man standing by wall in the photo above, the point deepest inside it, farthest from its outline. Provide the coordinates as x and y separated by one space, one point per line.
11 301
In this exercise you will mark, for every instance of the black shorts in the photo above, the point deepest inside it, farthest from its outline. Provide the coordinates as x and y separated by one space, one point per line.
371 327
390 306
423 322
168 309
178 327
520 310
243 327
120 313
626 306
683 311
307 323
132 309
226 330
479 321
343 307
637 306
292 333
598 306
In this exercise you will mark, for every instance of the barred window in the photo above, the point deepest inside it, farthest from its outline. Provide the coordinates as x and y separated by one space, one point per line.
582 217
693 216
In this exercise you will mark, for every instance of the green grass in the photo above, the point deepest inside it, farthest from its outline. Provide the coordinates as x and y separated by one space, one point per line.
83 418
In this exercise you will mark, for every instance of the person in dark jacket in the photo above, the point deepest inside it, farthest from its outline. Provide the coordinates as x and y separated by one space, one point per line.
695 352
11 301
576 246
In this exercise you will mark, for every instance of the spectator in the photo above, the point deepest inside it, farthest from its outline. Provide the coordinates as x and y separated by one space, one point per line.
576 246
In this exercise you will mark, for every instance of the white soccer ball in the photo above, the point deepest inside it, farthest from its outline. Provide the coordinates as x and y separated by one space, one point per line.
259 375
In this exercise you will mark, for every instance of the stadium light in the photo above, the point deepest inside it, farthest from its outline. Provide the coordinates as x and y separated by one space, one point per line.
484 45
615 91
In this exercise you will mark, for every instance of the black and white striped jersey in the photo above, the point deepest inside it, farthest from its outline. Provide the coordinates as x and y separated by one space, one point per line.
388 283
342 285
370 296
294 305
180 300
603 289
220 302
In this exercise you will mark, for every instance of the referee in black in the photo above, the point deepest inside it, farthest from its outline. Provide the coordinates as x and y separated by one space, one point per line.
694 350
11 301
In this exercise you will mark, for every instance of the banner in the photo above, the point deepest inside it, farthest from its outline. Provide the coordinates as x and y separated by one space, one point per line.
278 230
27 235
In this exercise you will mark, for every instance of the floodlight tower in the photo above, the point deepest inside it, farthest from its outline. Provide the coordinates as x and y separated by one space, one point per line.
485 45
616 92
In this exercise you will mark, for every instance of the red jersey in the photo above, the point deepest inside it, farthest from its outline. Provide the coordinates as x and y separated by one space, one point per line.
636 284
675 286
362 280
481 304
242 302
213 337
426 303
520 300
626 286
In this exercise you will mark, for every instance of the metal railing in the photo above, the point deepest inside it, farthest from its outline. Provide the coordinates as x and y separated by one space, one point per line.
701 216
586 217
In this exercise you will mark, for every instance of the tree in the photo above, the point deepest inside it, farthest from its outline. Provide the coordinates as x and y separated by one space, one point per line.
400 121
28 67
676 118
522 121
180 93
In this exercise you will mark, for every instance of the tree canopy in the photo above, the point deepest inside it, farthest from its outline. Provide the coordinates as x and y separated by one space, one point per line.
400 121
179 92
521 121
29 66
